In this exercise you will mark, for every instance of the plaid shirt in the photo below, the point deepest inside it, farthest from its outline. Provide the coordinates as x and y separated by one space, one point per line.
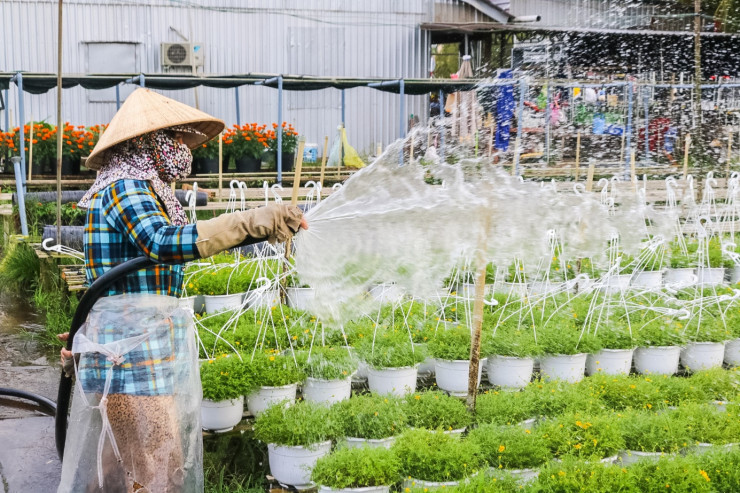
126 220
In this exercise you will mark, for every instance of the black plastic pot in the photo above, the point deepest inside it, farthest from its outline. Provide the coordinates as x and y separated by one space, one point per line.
288 159
247 164
205 166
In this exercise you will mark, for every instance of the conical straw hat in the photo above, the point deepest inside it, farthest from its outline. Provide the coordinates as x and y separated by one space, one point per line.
145 111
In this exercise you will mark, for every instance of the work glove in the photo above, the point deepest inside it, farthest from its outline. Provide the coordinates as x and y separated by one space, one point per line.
274 223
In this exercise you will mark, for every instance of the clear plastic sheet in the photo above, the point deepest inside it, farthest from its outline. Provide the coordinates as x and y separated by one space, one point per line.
135 419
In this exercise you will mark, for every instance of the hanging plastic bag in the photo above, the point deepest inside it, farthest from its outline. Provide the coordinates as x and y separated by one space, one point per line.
342 151
135 420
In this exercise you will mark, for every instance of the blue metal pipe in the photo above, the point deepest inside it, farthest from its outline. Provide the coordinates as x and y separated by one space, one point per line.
646 105
142 80
20 185
279 130
21 122
628 130
118 96
344 121
402 129
7 112
238 110
520 124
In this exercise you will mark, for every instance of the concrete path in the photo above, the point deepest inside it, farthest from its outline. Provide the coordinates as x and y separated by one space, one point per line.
28 457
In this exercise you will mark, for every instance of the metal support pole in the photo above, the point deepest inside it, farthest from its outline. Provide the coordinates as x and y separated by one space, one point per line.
628 130
142 80
118 97
519 125
21 121
7 110
402 130
238 111
548 114
344 107
646 106
20 186
442 125
279 130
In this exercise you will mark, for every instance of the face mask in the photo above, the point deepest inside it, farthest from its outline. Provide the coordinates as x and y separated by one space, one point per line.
172 159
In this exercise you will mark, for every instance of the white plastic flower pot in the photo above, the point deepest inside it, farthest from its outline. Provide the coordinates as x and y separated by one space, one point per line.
683 276
610 362
219 303
452 376
327 391
386 293
515 289
258 402
735 274
697 356
354 442
426 367
466 290
366 489
293 465
609 460
420 484
528 424
523 476
300 298
616 284
266 299
732 352
396 381
648 279
703 448
221 416
658 360
720 405
566 367
629 457
509 371
710 276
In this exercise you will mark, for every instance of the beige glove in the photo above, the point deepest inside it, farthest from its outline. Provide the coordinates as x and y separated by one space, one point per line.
274 223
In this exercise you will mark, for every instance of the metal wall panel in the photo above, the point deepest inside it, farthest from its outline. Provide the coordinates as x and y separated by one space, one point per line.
354 38
606 14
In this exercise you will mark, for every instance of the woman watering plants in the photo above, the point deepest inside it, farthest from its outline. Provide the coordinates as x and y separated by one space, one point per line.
135 419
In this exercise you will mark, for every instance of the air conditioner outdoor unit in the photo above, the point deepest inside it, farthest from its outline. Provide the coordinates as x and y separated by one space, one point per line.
182 54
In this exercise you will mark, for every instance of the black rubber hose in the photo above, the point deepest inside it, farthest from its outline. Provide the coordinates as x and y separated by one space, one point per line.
42 401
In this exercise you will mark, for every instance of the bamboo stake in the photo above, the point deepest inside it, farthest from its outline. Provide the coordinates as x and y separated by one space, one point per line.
686 146
323 161
590 177
293 201
220 164
578 155
480 286
30 151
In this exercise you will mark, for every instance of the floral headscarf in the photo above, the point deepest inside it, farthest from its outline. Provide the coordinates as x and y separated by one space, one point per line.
156 157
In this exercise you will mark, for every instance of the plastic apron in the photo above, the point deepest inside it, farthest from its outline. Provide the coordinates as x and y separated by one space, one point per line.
135 419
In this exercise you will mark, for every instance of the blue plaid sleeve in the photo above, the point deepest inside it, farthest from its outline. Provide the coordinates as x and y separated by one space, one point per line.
132 207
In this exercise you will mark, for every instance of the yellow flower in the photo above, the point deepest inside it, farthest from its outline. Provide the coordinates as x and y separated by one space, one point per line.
295 337
272 358
417 397
407 490
376 413
210 361
561 473
578 446
501 448
190 285
704 474
528 432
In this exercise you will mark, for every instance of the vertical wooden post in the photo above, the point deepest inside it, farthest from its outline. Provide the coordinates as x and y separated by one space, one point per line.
293 201
590 177
480 286
323 160
30 155
686 146
578 155
220 164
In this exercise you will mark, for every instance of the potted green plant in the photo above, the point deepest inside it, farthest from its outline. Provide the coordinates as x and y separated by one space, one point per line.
659 341
506 408
683 260
436 459
572 474
370 420
594 437
224 381
617 348
274 379
510 353
357 470
650 435
296 437
711 272
650 265
450 349
679 473
392 362
435 410
246 144
205 158
565 346
328 373
289 143
511 448
708 428
705 347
